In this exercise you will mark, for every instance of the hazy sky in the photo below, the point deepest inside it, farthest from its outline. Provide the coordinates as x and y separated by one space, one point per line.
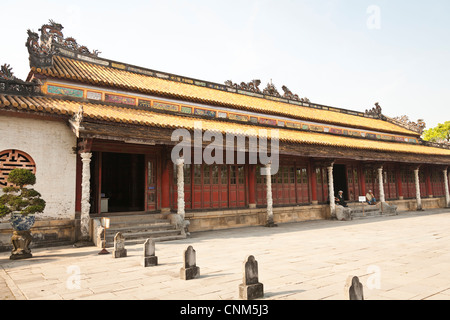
342 53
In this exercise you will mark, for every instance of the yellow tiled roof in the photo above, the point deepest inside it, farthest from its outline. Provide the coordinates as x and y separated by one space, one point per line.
99 75
154 119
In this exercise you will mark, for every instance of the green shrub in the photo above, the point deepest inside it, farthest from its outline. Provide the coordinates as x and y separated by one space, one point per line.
20 199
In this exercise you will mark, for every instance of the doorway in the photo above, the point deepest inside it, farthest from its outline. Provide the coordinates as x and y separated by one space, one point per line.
340 179
123 181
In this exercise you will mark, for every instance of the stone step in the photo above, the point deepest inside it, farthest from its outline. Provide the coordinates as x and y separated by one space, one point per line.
140 237
137 228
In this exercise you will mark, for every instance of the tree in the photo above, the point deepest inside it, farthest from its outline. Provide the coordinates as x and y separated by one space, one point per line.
440 133
18 198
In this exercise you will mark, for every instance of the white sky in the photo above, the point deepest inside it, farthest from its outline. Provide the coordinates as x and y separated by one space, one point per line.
340 53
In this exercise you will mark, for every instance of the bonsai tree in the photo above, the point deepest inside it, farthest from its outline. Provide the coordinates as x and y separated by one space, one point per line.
17 198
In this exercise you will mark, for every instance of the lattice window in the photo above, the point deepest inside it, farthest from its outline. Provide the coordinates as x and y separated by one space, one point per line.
13 159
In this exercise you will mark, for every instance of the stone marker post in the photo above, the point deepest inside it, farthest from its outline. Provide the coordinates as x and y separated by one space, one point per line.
356 289
189 270
251 288
149 253
119 246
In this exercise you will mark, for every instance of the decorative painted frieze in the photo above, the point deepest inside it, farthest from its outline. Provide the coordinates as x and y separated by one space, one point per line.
65 91
120 99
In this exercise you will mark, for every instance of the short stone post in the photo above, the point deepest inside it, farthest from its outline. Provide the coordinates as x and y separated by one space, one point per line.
251 288
356 289
149 253
119 246
189 270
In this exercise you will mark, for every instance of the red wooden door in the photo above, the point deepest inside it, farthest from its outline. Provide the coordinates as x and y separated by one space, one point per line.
237 186
150 184
261 187
206 188
391 184
197 187
302 187
215 186
353 183
292 189
241 186
224 182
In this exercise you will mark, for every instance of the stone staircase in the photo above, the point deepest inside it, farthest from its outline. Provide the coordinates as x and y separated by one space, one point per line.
137 228
364 210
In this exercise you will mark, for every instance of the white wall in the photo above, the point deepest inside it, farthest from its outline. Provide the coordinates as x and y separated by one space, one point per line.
50 145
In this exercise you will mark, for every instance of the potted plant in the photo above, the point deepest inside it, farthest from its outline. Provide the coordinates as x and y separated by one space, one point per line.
22 204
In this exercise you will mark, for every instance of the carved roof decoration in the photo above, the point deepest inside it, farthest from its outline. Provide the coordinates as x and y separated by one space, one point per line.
375 111
6 72
404 121
43 48
12 85
271 90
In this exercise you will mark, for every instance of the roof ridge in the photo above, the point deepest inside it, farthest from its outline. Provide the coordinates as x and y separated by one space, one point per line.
52 43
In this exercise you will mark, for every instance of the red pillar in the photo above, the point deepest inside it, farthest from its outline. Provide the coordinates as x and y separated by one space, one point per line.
252 186
398 178
313 183
362 181
165 187
428 182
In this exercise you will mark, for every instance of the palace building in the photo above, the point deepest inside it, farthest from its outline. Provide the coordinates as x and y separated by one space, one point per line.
98 134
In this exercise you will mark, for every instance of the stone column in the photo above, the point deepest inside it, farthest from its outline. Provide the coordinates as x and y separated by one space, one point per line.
419 200
180 187
331 190
269 222
447 195
85 194
381 184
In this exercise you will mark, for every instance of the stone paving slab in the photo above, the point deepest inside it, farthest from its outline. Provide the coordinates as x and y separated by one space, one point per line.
311 260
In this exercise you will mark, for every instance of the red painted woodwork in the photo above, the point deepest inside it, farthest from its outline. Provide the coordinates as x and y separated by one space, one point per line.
261 193
389 183
150 183
353 183
398 177
322 184
165 185
437 183
302 185
428 181
251 184
362 181
313 183
408 183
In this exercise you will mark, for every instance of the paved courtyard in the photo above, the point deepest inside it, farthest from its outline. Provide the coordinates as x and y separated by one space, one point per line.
398 257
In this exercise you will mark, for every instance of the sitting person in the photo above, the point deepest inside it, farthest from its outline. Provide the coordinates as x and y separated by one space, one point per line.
370 198
340 199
